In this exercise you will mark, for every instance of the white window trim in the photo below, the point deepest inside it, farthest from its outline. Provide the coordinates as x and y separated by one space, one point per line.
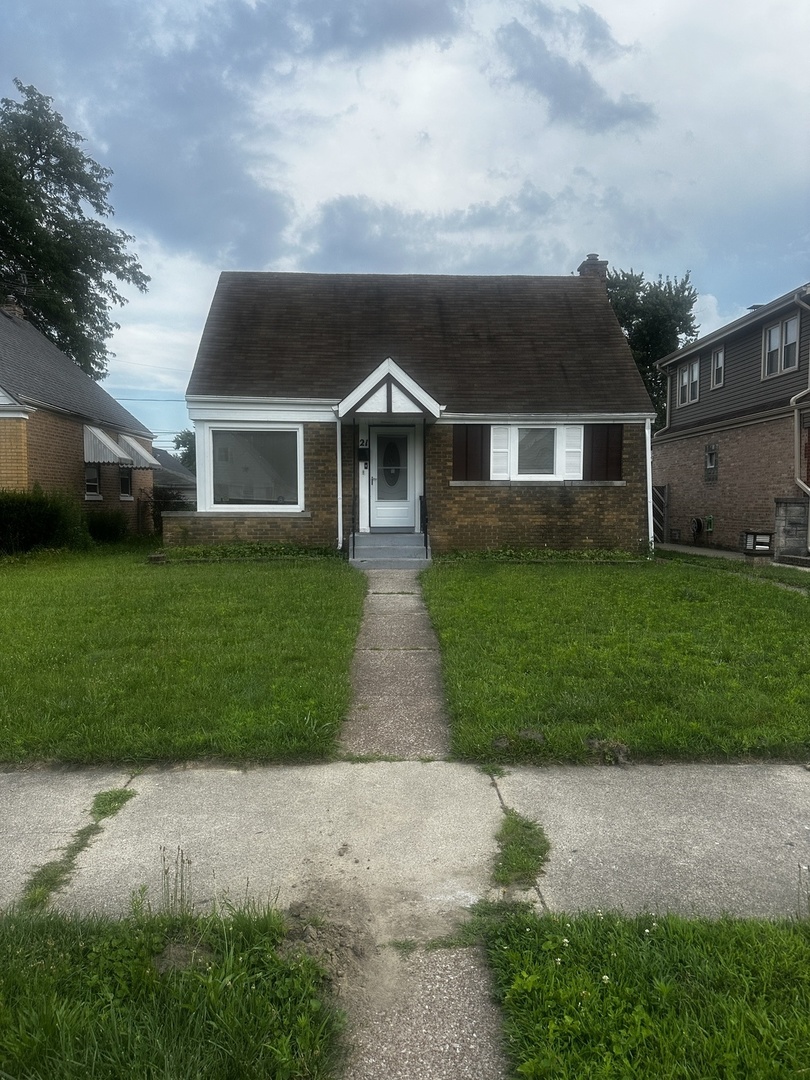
686 381
718 382
205 477
568 453
780 362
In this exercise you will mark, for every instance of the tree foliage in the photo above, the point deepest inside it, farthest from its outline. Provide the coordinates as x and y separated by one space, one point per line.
186 443
657 317
58 257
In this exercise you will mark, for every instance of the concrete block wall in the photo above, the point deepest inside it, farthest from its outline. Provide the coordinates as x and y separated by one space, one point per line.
755 466
573 516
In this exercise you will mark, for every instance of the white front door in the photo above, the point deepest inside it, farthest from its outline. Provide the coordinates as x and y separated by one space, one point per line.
393 502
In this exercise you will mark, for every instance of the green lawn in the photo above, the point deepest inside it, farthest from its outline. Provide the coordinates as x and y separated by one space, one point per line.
592 997
575 662
104 657
178 997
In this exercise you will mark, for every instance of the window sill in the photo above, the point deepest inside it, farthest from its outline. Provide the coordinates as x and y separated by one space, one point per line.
241 510
126 498
94 498
538 483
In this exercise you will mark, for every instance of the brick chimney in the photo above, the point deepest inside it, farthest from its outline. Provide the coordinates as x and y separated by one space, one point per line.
594 267
9 306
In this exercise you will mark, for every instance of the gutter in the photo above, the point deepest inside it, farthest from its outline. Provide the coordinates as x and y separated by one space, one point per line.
797 431
339 456
648 448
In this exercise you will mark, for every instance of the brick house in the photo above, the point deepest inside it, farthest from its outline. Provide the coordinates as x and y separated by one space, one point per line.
459 412
61 432
731 464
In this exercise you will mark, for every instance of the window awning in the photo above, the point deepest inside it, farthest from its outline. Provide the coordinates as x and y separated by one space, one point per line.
141 458
101 449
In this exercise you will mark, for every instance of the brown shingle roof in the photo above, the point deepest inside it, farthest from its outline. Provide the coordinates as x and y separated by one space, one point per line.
477 344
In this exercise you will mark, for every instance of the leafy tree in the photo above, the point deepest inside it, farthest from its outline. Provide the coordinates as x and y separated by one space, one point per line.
186 444
657 317
57 256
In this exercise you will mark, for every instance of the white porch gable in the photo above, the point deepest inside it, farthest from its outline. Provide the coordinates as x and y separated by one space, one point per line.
389 390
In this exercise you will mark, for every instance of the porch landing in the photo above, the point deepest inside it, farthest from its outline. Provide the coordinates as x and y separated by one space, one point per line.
389 551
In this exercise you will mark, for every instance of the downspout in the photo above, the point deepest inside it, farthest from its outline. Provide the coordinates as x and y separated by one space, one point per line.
648 444
339 484
797 432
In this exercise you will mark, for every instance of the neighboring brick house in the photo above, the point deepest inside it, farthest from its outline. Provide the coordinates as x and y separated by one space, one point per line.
731 465
60 431
492 411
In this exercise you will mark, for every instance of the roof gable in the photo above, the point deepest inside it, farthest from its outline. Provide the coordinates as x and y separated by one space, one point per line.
388 389
478 345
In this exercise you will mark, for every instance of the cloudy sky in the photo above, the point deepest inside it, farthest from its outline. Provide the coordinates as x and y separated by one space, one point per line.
427 136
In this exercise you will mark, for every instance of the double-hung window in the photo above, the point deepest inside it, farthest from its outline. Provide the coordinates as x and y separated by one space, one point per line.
92 481
536 452
258 467
688 382
718 367
780 347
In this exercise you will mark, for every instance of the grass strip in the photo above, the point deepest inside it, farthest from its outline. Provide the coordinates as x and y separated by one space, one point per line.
590 663
180 997
111 659
523 847
51 877
592 997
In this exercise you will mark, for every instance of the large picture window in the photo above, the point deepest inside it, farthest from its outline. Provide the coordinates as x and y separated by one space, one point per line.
257 467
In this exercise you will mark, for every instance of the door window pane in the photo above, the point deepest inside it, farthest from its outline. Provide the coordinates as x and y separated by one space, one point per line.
392 468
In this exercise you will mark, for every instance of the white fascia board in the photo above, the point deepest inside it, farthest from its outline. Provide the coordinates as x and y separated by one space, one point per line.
271 410
11 407
545 418
411 387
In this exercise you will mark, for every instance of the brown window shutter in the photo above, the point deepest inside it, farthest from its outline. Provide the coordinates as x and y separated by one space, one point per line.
602 457
471 451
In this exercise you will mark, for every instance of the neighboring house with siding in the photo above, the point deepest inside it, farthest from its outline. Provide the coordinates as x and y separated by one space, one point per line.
60 431
481 412
731 465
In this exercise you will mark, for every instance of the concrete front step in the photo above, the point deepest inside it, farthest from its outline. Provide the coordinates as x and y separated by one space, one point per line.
390 564
389 551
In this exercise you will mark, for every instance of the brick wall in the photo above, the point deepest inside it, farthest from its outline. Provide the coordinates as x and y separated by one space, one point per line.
315 527
13 454
754 467
572 516
56 463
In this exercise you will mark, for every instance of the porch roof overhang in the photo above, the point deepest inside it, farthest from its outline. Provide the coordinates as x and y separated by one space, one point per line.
389 391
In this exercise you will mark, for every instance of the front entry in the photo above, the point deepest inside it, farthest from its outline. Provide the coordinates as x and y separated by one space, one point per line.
392 498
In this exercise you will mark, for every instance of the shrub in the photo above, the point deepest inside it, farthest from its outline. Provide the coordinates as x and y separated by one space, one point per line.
34 519
107 526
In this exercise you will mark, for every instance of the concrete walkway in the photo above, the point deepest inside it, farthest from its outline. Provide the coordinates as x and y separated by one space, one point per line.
398 707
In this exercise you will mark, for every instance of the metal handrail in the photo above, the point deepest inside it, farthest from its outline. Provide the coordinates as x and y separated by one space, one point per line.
423 520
